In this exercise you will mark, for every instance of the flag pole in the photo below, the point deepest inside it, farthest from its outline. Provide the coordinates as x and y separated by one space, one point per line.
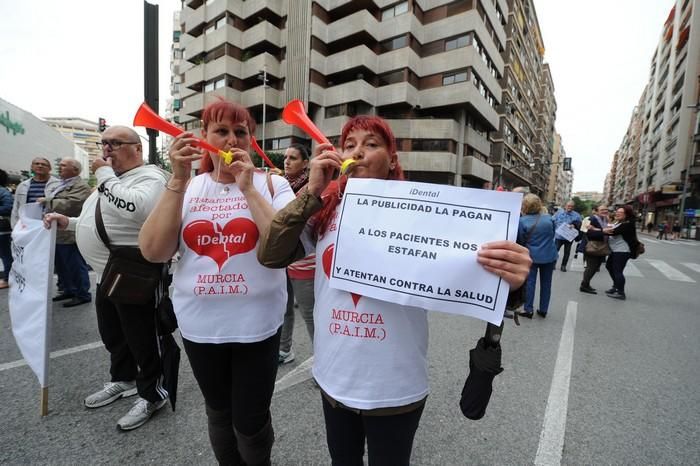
44 409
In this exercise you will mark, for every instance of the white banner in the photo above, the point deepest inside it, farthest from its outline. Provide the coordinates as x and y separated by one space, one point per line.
30 280
416 244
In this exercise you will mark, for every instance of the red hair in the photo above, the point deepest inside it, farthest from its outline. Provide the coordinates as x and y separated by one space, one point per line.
334 192
221 110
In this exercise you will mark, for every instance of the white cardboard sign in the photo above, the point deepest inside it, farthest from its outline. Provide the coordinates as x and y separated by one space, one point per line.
416 244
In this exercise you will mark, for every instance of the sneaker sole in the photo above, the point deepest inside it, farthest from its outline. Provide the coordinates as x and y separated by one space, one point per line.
124 394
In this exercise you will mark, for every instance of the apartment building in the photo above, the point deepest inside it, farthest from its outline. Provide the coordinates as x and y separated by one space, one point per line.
83 134
666 118
522 149
432 68
174 102
559 181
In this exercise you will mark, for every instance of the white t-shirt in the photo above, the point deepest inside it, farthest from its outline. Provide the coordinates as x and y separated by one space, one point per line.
125 202
367 353
221 292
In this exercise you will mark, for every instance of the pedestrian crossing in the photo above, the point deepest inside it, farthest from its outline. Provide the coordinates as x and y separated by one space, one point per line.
675 242
651 268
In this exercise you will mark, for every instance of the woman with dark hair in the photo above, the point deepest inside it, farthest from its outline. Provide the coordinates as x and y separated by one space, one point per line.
6 200
300 275
372 390
622 241
229 307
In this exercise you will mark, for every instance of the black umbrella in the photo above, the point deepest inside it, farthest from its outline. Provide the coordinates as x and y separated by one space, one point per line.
484 366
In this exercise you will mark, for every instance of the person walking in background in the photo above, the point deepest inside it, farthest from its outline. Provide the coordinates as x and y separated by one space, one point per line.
67 198
622 238
594 232
6 201
676 230
661 229
300 275
569 217
650 226
231 332
536 233
34 188
126 193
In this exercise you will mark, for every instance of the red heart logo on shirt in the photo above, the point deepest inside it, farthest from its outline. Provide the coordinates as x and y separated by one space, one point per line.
205 238
326 260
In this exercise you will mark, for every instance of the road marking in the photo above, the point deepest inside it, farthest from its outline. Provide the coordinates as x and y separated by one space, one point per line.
670 272
551 445
649 240
691 266
299 374
631 270
54 355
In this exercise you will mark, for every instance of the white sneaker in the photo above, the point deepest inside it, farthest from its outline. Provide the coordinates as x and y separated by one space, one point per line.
139 414
112 391
285 357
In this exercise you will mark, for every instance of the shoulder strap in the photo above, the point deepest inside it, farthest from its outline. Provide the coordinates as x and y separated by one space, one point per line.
270 187
529 233
99 223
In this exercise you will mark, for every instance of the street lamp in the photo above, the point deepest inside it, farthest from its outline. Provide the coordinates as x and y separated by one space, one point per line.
263 78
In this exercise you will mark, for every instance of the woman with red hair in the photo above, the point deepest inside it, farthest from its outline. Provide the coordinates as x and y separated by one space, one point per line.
373 390
229 307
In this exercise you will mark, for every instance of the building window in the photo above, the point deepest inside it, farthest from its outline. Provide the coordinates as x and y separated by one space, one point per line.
430 145
391 78
208 87
457 42
396 10
393 44
453 78
349 109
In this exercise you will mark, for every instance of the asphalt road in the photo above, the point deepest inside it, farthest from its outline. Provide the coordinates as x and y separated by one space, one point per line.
598 381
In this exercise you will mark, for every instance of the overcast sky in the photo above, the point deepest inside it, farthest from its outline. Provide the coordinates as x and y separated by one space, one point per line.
84 58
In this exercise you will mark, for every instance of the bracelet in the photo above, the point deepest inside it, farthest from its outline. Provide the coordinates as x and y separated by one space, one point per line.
167 186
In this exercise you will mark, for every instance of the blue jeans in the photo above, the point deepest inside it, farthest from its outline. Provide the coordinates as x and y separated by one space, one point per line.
546 272
72 271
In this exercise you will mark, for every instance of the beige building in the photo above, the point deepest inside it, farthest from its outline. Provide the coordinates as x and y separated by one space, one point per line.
434 68
661 143
83 133
593 196
523 144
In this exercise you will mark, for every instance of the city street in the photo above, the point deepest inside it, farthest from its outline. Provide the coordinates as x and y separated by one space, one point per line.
599 381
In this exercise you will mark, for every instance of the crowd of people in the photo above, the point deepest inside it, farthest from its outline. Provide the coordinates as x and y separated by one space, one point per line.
246 251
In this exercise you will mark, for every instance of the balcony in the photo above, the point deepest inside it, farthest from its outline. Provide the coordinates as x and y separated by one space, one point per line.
396 93
347 59
254 97
471 166
456 94
195 103
477 141
350 92
445 162
425 129
262 31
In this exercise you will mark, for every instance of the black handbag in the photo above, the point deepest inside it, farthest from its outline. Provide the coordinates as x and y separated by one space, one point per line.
128 277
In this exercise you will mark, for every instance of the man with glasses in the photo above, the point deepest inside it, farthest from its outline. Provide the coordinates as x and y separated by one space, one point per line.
34 188
67 198
127 190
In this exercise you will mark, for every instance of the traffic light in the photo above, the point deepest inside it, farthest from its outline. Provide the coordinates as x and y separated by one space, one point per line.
102 124
567 164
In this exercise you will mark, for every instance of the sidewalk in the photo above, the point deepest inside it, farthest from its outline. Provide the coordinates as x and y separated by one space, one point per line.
654 234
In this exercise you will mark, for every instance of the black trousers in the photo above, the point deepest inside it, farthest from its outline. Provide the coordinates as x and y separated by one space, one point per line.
592 267
237 381
389 438
616 265
567 250
129 334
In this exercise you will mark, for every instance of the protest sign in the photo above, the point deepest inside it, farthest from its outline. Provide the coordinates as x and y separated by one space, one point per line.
30 283
416 244
567 232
